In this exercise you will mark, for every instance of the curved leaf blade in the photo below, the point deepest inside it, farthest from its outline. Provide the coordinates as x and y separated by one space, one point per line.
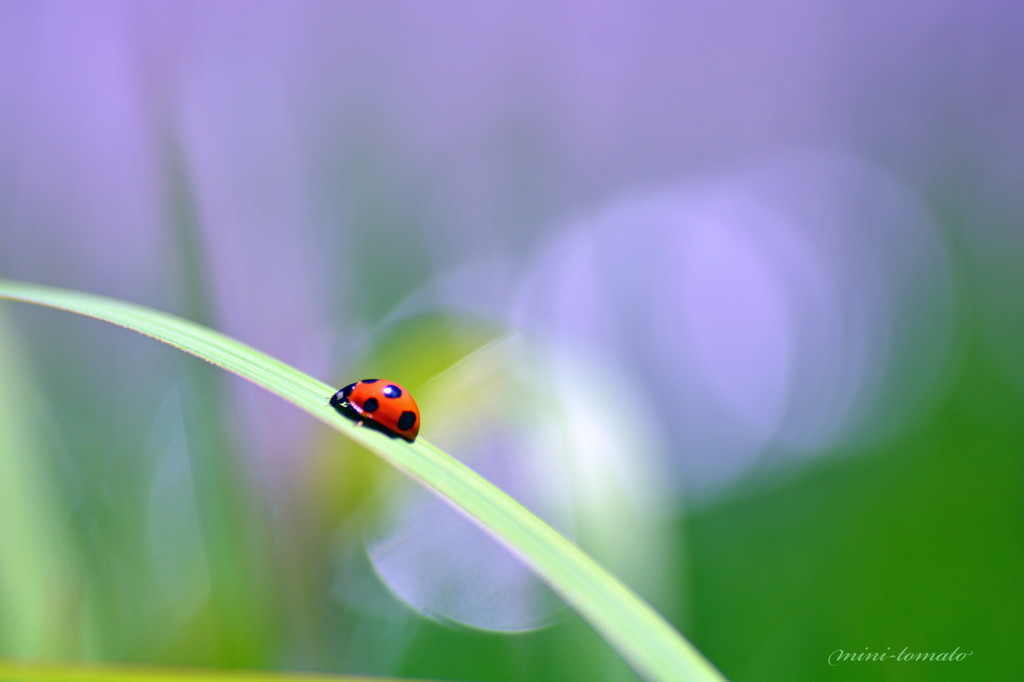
628 623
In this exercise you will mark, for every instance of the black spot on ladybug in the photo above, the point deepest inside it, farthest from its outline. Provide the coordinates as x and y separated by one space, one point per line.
392 391
406 421
369 381
370 405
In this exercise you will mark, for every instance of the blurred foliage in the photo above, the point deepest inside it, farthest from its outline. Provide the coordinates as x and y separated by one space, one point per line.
626 622
85 672
917 544
39 591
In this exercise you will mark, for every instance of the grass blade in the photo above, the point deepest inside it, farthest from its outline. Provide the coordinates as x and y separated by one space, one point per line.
628 623
37 570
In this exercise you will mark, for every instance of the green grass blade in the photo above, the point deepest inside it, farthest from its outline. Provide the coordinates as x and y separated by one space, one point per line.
628 623
89 672
37 569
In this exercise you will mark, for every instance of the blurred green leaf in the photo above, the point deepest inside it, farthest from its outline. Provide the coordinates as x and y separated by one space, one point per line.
640 634
37 592
88 672
914 544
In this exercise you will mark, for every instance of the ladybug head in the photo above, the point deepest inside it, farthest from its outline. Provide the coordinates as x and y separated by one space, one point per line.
341 396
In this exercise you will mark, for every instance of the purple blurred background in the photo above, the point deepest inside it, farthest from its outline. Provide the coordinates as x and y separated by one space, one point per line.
337 157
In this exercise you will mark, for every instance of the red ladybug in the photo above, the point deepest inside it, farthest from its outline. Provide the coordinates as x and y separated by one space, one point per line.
380 405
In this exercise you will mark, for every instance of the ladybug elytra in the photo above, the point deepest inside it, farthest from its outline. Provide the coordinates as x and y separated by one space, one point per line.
381 405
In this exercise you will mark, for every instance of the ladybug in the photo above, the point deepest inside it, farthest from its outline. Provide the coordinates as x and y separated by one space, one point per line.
380 405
